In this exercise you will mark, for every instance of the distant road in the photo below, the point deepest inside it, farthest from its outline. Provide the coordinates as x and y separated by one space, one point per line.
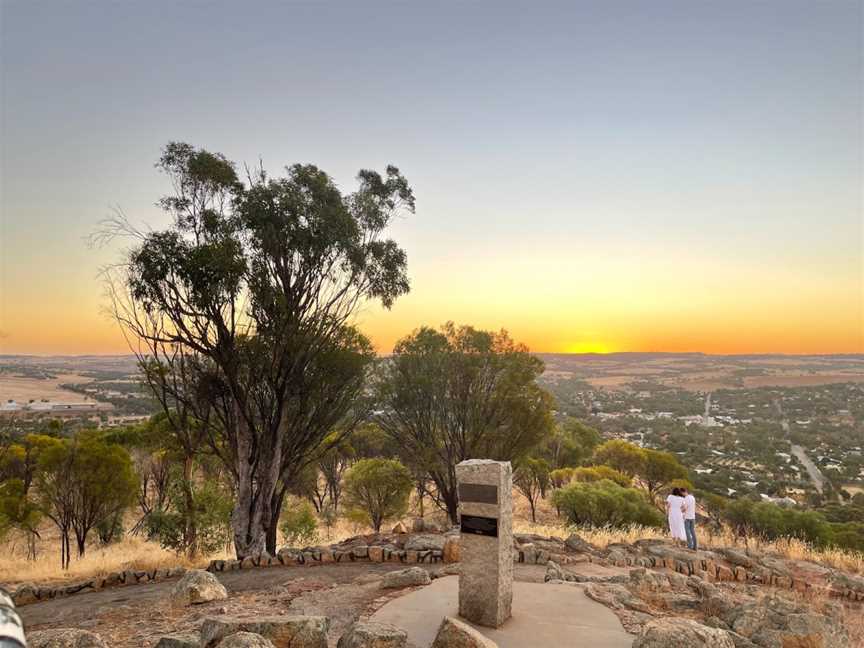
813 471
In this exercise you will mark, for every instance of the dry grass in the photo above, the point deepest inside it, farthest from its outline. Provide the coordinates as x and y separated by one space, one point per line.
131 553
136 553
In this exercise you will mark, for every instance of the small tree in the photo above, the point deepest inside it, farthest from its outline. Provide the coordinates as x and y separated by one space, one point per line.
560 477
18 512
532 479
83 482
377 489
622 456
461 393
658 470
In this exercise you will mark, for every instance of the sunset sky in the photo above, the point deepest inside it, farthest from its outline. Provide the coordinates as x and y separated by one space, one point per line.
591 176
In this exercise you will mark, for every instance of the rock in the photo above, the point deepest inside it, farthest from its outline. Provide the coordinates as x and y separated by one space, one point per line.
282 631
649 579
576 543
368 634
25 594
737 558
425 542
616 597
406 578
245 640
65 638
198 586
451 548
554 572
453 633
178 641
399 528
672 632
776 622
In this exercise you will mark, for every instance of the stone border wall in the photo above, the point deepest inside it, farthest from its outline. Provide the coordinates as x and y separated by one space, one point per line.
708 569
715 571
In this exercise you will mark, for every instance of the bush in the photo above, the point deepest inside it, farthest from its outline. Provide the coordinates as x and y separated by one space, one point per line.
597 473
211 515
605 503
299 526
772 522
377 489
561 477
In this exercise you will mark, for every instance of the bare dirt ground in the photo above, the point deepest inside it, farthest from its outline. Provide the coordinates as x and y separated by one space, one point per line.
23 390
136 616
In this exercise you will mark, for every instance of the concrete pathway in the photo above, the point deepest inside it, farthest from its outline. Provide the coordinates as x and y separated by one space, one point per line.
543 615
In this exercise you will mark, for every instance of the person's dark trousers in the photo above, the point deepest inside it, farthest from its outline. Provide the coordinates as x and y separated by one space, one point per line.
690 529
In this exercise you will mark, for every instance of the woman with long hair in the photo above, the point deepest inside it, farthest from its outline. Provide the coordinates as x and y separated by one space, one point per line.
675 514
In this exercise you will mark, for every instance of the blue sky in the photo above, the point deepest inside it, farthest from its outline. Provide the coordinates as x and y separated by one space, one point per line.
610 175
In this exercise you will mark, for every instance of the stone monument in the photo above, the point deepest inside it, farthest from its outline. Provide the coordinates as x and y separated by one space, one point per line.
486 541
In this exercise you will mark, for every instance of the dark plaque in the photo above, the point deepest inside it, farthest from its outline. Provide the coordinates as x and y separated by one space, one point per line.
479 493
477 525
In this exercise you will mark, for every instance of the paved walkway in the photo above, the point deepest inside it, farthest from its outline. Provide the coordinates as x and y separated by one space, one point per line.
543 615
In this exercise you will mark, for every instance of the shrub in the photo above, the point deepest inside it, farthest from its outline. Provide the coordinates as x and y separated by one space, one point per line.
772 522
377 489
298 526
211 515
561 477
605 503
597 473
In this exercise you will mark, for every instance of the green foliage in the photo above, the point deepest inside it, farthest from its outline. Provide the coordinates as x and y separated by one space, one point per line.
17 511
598 473
259 282
531 478
377 489
659 469
605 503
561 477
570 445
298 524
210 515
461 393
622 456
771 522
82 482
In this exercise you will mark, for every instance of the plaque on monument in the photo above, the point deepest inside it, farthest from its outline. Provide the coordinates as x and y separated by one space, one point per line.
481 493
485 541
479 525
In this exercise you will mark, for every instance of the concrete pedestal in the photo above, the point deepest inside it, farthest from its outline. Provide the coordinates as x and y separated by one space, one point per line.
486 541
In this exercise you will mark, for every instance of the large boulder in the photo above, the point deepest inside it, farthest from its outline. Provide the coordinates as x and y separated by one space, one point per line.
198 586
453 633
368 634
65 638
672 632
282 631
178 641
425 542
245 640
410 577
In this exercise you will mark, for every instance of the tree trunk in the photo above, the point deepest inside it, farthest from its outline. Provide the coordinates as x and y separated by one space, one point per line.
276 503
256 486
533 511
190 528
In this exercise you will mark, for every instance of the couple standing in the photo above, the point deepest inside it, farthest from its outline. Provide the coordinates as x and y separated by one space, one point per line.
681 510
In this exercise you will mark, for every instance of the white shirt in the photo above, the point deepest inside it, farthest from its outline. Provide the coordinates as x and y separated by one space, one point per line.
689 507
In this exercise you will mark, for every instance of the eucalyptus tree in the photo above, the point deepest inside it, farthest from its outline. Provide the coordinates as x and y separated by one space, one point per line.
461 393
260 280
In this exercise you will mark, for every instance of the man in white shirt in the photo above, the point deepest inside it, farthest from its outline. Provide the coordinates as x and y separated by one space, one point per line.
690 518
